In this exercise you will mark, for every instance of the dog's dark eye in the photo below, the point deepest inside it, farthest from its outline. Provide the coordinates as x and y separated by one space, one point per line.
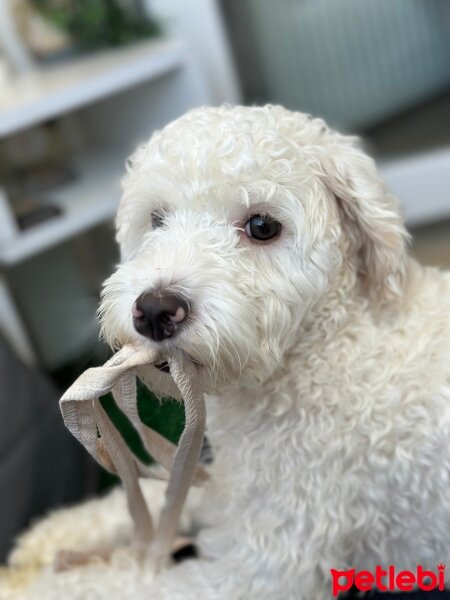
157 219
262 228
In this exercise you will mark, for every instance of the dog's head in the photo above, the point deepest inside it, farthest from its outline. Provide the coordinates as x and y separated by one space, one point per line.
234 224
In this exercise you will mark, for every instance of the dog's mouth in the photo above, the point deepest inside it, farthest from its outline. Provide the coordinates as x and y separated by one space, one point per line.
163 367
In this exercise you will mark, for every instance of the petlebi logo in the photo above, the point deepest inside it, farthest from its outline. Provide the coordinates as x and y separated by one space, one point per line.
388 580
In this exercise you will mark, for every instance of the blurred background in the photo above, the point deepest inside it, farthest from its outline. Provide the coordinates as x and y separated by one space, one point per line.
83 82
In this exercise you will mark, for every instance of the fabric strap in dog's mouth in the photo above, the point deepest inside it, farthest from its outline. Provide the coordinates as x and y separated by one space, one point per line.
86 419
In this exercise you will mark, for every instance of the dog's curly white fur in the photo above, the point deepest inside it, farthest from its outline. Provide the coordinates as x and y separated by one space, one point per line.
327 350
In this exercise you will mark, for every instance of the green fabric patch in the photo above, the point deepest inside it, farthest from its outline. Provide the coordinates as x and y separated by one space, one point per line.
166 416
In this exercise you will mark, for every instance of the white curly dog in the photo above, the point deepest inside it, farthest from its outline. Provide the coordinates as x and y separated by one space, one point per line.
283 261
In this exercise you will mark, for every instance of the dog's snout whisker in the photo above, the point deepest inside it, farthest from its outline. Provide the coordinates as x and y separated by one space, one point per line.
158 315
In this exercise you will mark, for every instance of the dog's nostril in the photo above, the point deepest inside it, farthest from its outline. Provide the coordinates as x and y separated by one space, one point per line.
136 312
158 316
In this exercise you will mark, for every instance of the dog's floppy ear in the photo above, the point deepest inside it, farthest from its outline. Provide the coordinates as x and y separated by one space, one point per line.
371 216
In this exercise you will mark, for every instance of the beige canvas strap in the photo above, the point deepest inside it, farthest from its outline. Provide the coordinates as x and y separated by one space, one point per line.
156 445
184 374
88 422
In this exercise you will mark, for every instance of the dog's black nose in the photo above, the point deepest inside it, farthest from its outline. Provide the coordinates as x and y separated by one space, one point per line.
158 316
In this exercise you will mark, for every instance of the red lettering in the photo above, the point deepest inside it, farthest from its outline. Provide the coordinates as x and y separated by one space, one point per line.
337 586
388 580
379 574
421 575
391 584
405 581
364 581
441 576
